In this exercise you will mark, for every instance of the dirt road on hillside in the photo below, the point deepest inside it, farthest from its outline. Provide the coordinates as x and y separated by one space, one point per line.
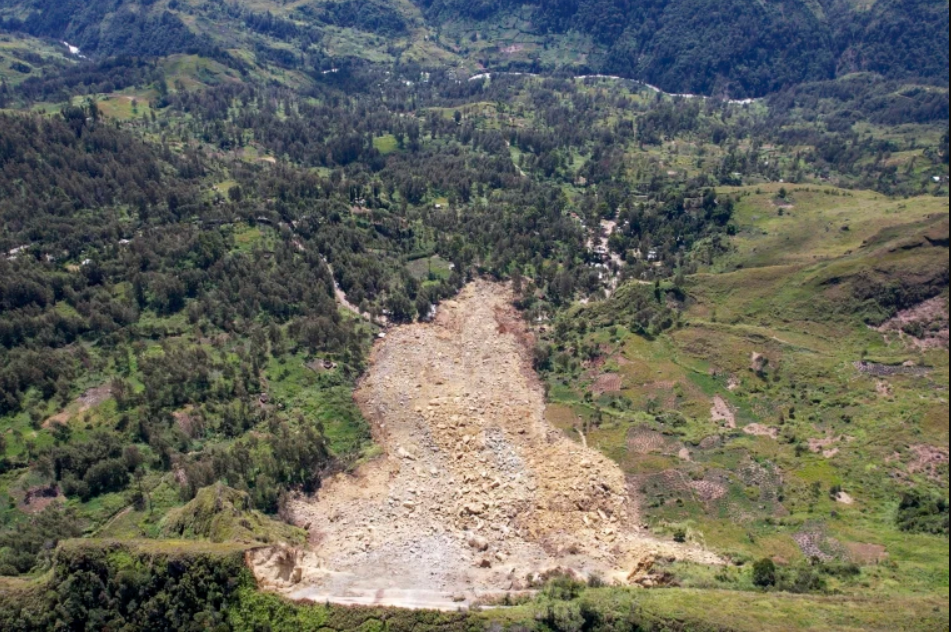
475 491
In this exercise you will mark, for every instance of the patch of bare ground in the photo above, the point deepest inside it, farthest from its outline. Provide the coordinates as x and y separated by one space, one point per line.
814 543
594 364
924 326
606 383
844 498
666 483
760 430
185 421
764 476
721 412
641 440
36 499
711 442
866 553
89 399
475 491
930 460
886 370
826 445
708 490
644 441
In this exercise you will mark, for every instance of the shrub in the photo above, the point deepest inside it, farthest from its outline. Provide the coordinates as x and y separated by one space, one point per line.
563 588
764 573
107 476
803 579
919 513
671 418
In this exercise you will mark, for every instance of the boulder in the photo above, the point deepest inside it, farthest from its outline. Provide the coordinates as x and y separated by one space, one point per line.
475 508
478 542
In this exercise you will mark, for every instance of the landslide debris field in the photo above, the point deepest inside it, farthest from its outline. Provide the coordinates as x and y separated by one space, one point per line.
475 492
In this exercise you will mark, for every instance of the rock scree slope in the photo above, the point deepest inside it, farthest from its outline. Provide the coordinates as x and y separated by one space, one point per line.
475 491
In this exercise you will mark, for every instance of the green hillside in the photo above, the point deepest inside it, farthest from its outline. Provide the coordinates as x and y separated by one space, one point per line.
736 47
752 425
211 210
739 47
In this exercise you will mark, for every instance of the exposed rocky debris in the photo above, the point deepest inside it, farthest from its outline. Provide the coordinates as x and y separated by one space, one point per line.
89 399
476 491
761 430
923 326
885 370
721 412
710 490
844 498
814 543
645 441
930 460
827 445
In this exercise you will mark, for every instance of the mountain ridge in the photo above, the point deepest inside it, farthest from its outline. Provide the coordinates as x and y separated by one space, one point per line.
739 48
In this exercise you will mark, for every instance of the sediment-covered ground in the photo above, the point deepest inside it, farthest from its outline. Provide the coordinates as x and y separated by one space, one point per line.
475 492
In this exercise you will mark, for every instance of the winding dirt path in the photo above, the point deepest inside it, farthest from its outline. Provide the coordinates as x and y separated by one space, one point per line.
475 491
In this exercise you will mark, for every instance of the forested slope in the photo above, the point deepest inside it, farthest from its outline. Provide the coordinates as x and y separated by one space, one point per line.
724 47
737 47
108 28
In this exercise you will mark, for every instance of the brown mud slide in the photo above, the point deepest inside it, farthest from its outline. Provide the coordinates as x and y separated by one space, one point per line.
475 492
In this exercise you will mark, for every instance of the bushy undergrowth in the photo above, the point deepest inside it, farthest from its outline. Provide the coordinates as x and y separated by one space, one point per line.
920 513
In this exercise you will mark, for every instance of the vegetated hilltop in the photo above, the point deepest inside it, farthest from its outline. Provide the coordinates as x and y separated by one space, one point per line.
197 249
735 47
